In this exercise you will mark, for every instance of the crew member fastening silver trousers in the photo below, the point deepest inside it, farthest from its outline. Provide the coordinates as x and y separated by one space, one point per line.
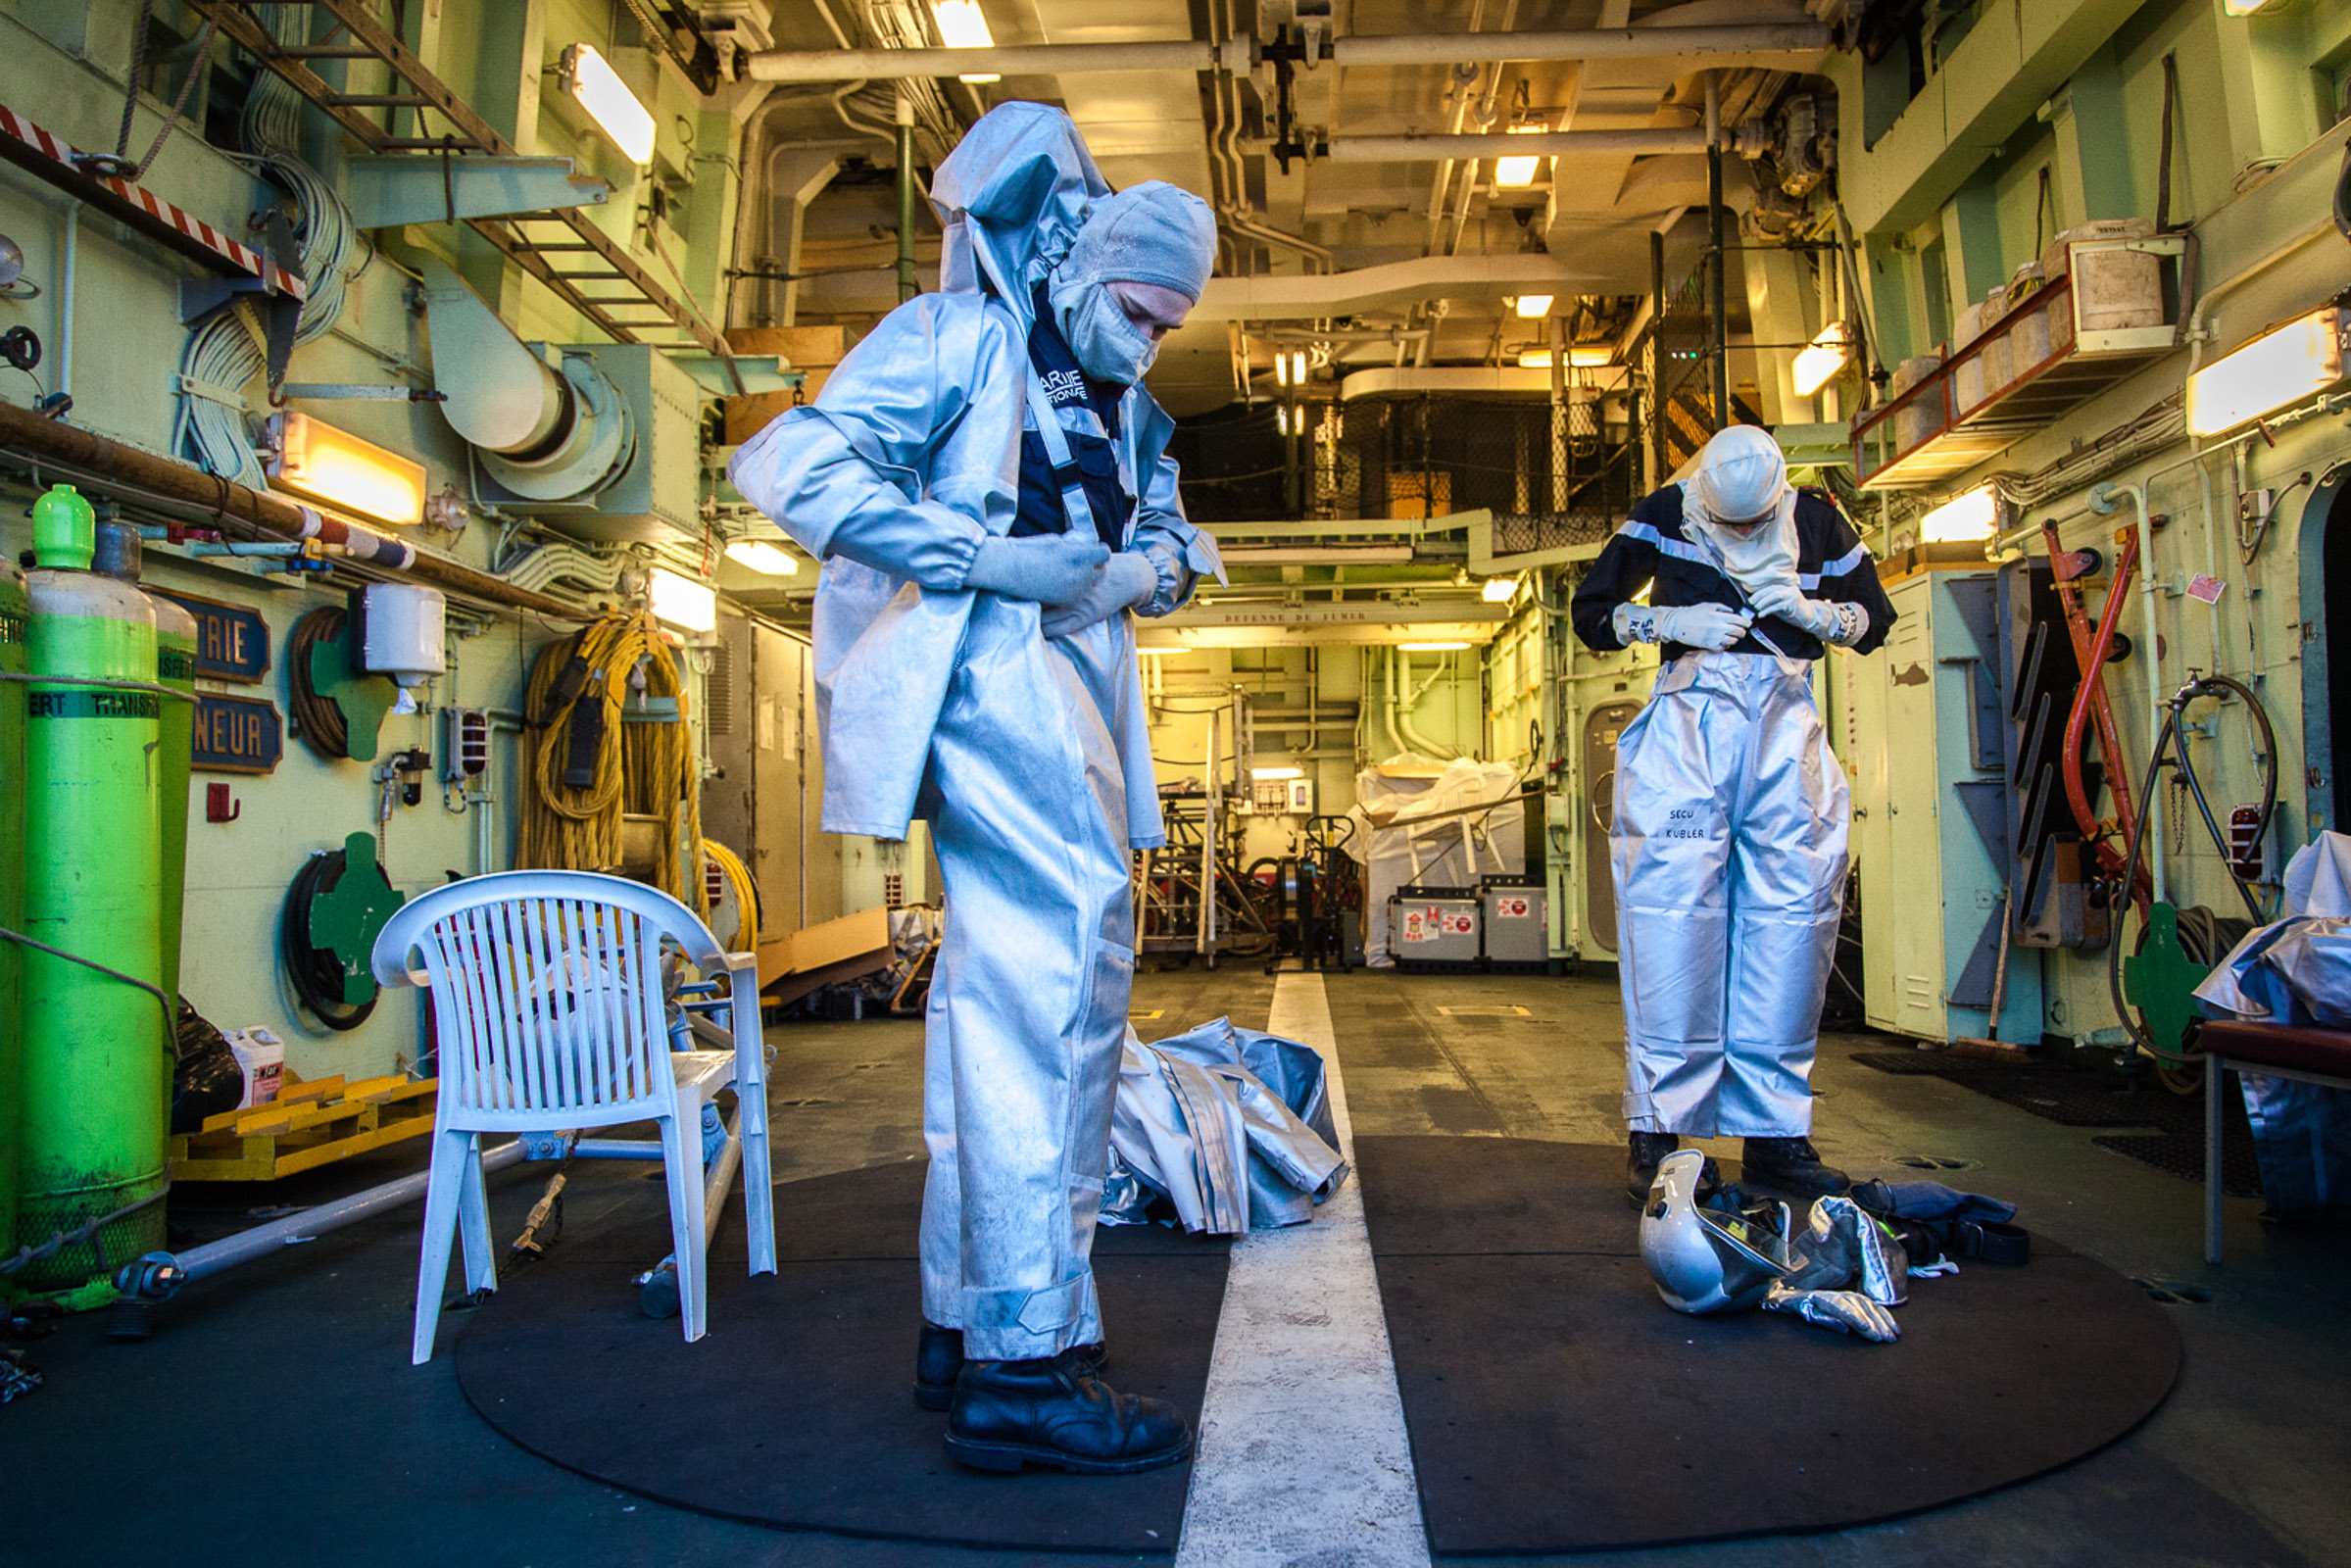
1029 1008
1729 851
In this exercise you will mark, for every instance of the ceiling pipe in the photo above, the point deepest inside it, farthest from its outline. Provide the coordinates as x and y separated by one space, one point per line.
1540 144
1722 45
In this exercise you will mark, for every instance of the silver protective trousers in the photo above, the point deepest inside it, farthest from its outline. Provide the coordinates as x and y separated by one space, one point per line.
1028 1010
1729 853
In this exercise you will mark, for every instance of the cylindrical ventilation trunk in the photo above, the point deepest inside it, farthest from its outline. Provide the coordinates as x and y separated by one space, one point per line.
95 1084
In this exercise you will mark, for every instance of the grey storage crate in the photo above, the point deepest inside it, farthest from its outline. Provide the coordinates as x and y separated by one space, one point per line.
1516 920
1434 928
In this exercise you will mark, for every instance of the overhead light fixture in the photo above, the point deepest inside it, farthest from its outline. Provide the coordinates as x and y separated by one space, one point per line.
1517 173
1430 648
963 26
1290 369
1531 307
1499 590
590 80
761 556
1266 775
2243 8
2279 367
683 601
1827 354
314 459
1591 359
1964 518
1160 653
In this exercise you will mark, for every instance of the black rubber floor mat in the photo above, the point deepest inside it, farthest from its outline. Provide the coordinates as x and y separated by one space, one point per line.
796 1409
2087 1097
1557 1405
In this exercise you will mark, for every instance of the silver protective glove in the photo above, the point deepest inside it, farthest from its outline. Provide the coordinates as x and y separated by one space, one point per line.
1129 579
1846 1312
1710 626
1056 569
1843 1246
1829 620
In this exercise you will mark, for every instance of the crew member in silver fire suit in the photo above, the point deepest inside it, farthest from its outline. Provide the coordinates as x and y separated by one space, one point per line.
987 484
1729 842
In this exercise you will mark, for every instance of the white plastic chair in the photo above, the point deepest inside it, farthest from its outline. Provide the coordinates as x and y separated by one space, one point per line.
547 992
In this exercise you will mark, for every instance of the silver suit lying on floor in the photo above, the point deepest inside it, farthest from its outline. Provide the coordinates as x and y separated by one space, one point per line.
1730 857
1031 756
1233 1126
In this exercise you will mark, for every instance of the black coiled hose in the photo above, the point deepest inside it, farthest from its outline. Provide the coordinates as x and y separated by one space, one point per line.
314 972
2196 925
316 718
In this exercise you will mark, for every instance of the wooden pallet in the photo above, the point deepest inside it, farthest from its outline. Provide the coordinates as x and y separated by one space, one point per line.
309 1124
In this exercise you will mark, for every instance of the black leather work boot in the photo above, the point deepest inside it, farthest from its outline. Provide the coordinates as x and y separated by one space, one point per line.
1055 1413
1648 1150
938 1357
1792 1167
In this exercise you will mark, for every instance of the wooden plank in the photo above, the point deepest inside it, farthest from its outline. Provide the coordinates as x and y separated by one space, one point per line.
391 1091
316 1088
295 1119
344 1148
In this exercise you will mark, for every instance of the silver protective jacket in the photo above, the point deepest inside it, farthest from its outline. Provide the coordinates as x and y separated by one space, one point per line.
1231 1125
911 455
1729 853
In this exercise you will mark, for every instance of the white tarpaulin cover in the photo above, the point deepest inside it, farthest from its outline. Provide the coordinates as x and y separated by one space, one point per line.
2297 970
1431 841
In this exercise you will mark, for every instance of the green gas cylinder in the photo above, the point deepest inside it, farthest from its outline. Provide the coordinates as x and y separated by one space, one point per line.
14 609
94 1077
175 670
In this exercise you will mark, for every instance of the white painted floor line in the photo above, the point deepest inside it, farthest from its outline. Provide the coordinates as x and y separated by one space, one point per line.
1302 1454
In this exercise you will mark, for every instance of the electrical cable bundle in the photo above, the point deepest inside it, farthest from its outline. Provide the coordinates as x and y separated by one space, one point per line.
586 765
315 974
226 352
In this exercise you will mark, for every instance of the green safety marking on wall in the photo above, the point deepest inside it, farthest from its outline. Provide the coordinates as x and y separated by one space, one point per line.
364 700
347 918
2161 981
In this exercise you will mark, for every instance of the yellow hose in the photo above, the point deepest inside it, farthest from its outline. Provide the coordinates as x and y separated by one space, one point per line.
747 898
648 770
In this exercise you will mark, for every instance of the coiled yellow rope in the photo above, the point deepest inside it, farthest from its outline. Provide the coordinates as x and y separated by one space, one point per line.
747 898
640 768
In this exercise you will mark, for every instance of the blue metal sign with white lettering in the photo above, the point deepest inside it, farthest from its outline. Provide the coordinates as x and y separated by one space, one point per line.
233 641
237 734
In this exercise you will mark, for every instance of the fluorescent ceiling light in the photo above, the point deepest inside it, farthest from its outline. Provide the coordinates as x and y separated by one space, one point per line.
317 460
1430 648
683 601
1971 516
1268 774
1516 174
963 26
1499 590
1532 306
1591 359
590 79
1160 653
761 556
1822 359
2280 368
2243 8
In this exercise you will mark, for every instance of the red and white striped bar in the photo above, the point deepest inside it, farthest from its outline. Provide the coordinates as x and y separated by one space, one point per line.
27 145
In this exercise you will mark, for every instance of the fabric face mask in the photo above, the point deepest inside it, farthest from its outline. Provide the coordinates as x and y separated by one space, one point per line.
1105 343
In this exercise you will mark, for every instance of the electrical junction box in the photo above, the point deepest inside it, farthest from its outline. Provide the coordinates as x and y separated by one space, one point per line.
1434 928
654 496
1515 916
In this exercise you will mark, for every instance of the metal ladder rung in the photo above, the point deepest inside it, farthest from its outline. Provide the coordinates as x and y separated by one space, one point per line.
324 51
431 144
586 276
378 100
